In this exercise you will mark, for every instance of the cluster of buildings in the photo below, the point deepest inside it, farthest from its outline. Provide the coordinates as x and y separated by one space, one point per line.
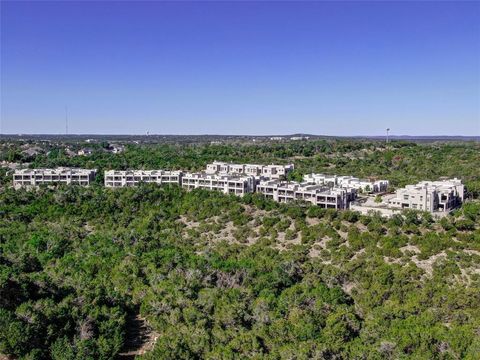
228 184
326 191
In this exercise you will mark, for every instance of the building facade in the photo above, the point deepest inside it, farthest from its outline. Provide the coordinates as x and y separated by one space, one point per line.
432 196
266 171
228 184
436 197
320 195
364 186
128 178
68 176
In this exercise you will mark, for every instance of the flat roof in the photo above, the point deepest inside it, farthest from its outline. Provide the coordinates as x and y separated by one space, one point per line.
56 171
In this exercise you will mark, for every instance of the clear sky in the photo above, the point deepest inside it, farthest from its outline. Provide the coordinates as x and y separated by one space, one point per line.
334 68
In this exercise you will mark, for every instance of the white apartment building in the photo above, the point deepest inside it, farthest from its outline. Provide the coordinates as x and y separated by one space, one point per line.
365 186
126 178
36 177
320 195
267 171
228 184
436 197
432 196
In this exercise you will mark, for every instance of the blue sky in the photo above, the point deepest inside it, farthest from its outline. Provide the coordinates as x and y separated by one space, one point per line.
334 68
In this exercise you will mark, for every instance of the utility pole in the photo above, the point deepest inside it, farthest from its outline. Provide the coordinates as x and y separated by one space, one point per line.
66 120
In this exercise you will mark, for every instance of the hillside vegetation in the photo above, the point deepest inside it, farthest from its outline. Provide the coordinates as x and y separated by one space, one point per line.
221 277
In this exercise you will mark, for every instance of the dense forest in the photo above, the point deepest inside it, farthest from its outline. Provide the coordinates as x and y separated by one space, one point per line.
222 277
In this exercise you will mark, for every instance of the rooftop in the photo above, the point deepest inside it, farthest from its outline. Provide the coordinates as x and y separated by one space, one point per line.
60 170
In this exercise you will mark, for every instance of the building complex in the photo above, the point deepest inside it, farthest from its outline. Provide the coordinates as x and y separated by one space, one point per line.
326 191
35 177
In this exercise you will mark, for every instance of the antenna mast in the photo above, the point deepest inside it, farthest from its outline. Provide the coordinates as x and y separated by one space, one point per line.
66 120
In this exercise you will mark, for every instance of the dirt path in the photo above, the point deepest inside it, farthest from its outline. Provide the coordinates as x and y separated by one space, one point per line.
139 339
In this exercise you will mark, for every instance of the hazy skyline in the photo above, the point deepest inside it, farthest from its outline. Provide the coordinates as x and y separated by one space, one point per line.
332 68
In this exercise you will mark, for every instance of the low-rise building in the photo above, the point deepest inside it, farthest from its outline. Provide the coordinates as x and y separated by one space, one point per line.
266 171
431 196
127 178
69 152
228 184
364 186
36 177
116 148
32 150
320 195
85 151
437 197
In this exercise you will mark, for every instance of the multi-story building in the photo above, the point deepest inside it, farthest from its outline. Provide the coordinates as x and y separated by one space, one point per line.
365 186
123 178
430 196
228 184
436 197
266 171
217 167
320 195
36 177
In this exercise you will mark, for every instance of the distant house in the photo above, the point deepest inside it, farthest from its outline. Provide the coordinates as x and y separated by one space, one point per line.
32 151
69 152
115 148
9 165
85 151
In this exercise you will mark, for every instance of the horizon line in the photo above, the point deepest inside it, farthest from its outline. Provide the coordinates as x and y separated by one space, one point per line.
235 135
